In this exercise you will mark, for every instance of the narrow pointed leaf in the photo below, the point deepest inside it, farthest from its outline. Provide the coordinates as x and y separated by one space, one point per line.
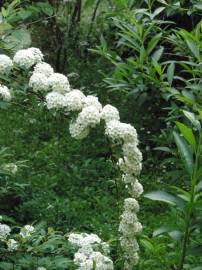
163 196
185 152
187 133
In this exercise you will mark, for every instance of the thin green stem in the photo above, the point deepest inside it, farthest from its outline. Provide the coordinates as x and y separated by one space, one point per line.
188 220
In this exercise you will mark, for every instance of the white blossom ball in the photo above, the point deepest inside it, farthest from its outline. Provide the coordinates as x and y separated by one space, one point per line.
129 166
12 245
110 113
54 100
119 132
89 116
131 204
59 83
6 64
4 231
136 189
131 151
39 82
26 58
92 101
74 100
78 130
44 68
27 231
5 93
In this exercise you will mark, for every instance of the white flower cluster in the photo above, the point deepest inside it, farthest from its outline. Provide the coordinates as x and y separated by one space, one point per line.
59 83
44 68
110 113
10 168
39 82
4 231
130 227
121 132
27 231
6 64
5 93
26 58
12 245
86 257
41 268
130 164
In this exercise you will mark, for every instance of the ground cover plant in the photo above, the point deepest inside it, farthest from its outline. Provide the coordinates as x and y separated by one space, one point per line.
76 78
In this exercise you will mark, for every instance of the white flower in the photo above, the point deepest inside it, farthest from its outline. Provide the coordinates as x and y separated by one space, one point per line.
88 117
54 100
136 189
12 245
44 68
129 166
110 113
78 131
81 239
131 151
26 58
26 231
119 132
10 167
4 231
6 64
74 100
131 204
41 268
59 83
93 101
5 93
38 82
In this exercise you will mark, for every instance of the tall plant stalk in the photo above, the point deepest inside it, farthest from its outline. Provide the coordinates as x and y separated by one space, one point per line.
189 215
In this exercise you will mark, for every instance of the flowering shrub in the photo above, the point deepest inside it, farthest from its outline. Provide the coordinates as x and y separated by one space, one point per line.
87 114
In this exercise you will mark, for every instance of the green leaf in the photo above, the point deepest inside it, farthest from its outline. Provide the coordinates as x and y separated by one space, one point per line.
199 187
3 12
157 54
170 73
185 152
188 134
164 197
192 118
153 42
163 148
161 230
193 48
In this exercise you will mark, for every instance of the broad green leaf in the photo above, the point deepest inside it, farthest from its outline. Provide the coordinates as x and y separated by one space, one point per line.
161 230
157 67
193 48
192 118
175 235
170 73
199 186
185 152
3 12
157 54
153 42
147 244
164 197
188 134
163 148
